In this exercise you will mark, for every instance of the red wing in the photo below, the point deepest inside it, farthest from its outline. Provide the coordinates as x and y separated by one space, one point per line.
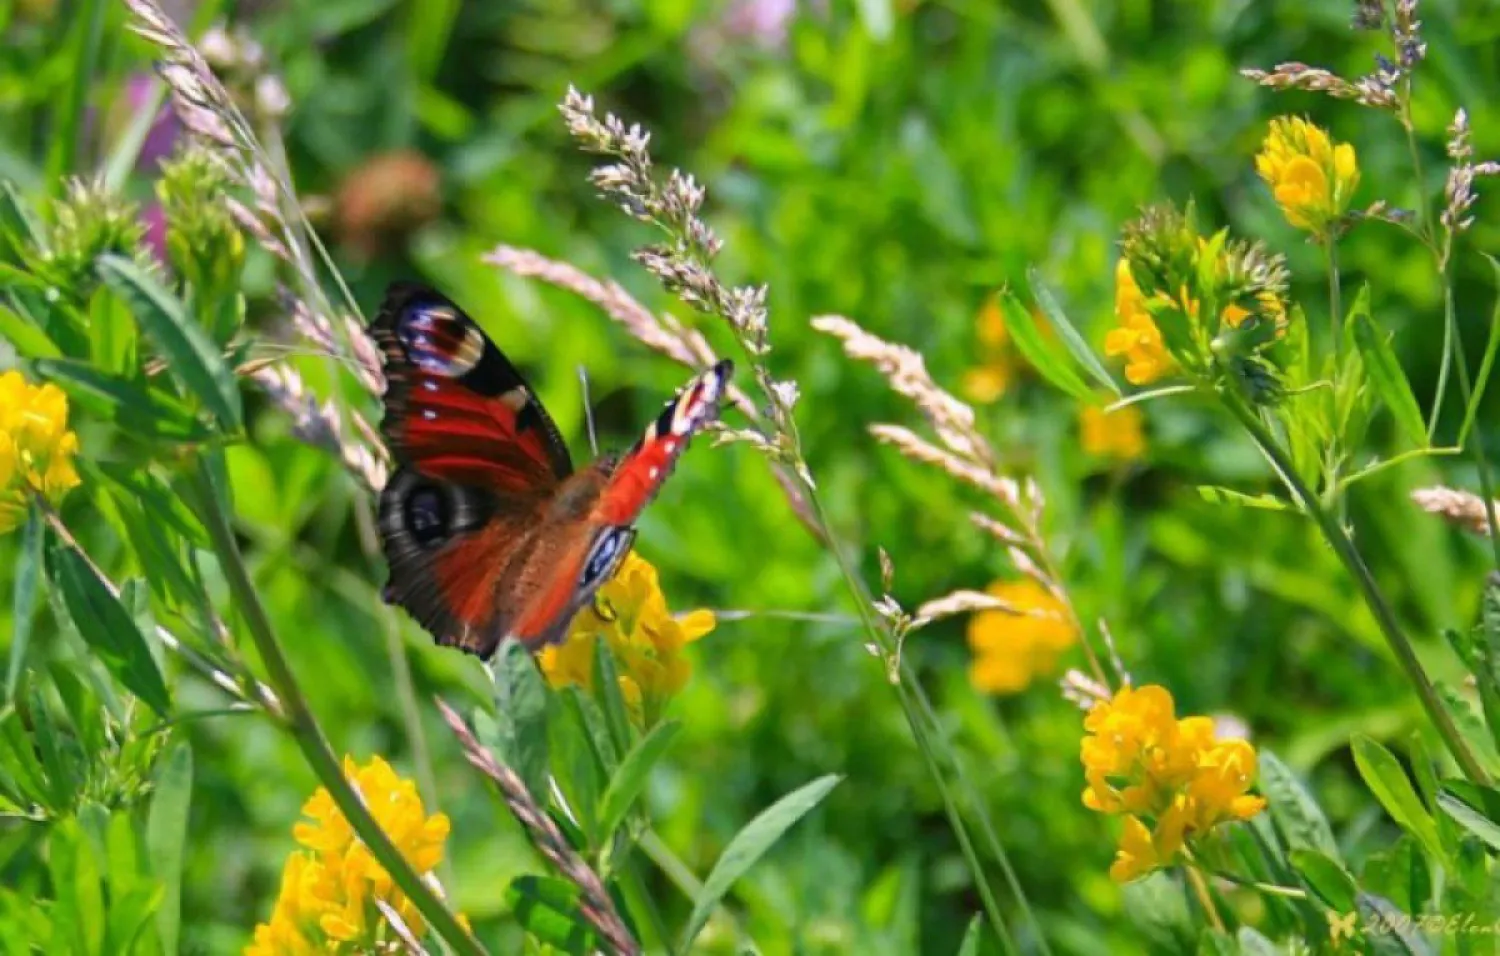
455 408
449 548
588 530
642 470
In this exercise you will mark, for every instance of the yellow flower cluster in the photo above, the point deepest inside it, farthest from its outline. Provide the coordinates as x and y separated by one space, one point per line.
1170 779
1117 434
1136 338
1013 649
646 640
36 448
1312 178
329 889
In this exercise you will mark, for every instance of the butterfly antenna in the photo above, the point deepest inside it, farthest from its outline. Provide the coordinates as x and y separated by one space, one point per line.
588 410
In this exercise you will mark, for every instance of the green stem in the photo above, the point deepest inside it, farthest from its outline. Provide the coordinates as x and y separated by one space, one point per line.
908 690
1335 306
1205 898
1466 389
1354 563
68 122
304 725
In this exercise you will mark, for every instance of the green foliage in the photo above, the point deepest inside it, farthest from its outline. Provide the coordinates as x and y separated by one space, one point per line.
897 163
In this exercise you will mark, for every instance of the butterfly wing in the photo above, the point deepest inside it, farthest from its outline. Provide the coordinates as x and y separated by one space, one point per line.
480 460
588 529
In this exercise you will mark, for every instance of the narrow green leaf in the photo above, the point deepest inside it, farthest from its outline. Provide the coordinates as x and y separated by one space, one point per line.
28 339
19 225
630 779
1052 364
1387 376
1228 496
20 769
612 703
1487 364
748 846
166 837
548 909
1076 344
1382 773
63 154
23 607
1294 811
1325 877
79 907
1476 810
1399 936
521 716
131 404
190 353
108 629
970 945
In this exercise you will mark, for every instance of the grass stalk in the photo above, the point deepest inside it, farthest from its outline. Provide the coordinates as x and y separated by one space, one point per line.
304 727
1354 563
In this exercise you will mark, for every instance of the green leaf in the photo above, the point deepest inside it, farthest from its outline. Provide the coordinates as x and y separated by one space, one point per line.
631 776
1487 364
21 771
1052 364
1068 332
28 339
166 837
78 910
23 606
549 909
1398 936
1474 808
748 846
612 704
1228 496
1382 773
1325 877
970 945
1158 907
1254 943
18 222
190 353
1385 371
521 716
1295 812
108 629
131 404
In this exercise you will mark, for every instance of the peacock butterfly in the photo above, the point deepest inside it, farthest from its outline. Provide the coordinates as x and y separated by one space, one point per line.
487 529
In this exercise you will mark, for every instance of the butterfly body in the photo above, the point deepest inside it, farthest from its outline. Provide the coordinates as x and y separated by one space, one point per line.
488 530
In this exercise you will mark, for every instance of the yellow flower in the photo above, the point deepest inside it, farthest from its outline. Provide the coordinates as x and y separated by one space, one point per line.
36 448
1172 779
1311 177
997 365
1136 338
330 887
646 639
1012 650
1117 434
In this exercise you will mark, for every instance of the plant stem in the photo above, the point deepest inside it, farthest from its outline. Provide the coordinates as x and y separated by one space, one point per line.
1466 389
1205 898
304 725
1335 306
906 690
1354 563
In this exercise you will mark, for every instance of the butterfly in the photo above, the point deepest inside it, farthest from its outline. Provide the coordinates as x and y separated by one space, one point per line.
487 529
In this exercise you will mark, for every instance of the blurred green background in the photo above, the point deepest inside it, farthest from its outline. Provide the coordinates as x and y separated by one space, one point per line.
889 160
